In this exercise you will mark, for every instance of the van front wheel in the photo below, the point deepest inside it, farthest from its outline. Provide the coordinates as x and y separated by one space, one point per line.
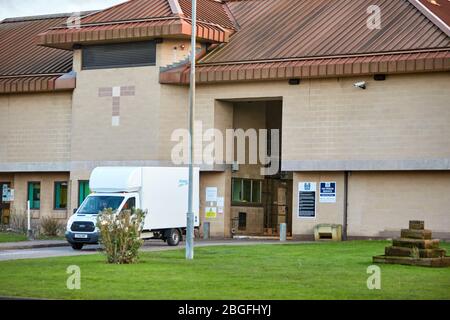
77 246
174 237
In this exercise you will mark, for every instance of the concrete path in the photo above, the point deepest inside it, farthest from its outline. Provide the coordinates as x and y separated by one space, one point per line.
33 244
149 246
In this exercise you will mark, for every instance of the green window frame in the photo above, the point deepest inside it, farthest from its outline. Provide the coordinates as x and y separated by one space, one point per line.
83 191
246 191
34 195
60 195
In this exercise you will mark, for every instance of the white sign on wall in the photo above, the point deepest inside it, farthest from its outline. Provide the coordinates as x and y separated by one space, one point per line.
7 194
307 186
11 195
220 204
307 199
211 194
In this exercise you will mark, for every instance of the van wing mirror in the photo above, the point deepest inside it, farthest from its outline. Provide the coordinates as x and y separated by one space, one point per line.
75 210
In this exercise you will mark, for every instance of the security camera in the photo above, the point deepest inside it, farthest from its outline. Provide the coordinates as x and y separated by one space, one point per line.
361 85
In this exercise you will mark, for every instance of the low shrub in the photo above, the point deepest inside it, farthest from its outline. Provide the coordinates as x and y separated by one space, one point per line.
18 221
51 227
120 234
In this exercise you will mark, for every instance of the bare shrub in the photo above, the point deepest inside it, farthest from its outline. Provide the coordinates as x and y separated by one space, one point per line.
18 221
50 226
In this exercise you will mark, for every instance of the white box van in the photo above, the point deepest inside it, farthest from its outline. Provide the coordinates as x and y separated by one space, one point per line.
161 191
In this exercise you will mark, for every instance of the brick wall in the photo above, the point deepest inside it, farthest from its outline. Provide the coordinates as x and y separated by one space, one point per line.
35 127
404 118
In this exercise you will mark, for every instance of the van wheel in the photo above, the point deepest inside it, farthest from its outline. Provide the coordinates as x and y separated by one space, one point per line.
174 238
77 246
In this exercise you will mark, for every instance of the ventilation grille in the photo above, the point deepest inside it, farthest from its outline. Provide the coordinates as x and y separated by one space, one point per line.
120 55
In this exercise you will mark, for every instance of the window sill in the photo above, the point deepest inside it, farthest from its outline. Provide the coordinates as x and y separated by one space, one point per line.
247 204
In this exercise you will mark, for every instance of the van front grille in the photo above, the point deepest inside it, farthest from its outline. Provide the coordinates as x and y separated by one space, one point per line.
82 226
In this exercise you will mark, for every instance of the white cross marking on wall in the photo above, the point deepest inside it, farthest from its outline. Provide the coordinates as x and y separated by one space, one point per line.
116 93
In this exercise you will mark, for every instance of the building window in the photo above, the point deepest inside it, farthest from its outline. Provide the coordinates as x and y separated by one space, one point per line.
34 195
83 191
60 195
119 55
246 191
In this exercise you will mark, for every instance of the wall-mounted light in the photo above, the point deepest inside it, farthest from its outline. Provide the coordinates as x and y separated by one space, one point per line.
294 82
360 85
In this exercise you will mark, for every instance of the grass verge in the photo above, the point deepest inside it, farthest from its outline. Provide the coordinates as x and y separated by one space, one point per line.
12 237
291 271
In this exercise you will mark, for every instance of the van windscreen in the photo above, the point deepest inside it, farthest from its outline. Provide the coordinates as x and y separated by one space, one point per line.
95 204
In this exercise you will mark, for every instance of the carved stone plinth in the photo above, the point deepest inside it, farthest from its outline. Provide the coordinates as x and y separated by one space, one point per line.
415 247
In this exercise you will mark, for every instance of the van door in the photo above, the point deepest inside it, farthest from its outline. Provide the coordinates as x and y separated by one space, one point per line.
130 204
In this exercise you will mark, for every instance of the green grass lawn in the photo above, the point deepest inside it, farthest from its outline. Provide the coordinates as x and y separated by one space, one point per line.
17 237
12 237
292 271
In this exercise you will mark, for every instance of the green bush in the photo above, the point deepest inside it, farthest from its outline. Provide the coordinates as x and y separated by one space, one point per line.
51 227
120 234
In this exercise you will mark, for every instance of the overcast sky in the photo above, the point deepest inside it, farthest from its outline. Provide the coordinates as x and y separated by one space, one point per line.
19 8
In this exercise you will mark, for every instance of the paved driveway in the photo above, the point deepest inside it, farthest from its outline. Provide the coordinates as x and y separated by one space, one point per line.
149 246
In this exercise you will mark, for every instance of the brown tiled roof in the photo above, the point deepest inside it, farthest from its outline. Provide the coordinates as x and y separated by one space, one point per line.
285 29
142 19
19 55
441 8
322 38
24 66
131 10
209 11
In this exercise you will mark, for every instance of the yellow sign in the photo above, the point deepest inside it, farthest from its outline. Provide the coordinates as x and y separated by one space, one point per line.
210 213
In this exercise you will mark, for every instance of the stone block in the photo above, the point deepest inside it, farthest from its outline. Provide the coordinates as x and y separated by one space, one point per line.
416 234
407 252
418 243
423 262
416 225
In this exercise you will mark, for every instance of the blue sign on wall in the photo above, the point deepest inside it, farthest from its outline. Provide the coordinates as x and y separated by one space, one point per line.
327 192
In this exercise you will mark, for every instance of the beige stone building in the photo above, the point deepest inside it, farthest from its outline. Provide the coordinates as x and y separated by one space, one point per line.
363 111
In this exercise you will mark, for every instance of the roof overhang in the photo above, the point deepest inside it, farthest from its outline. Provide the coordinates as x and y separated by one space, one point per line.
326 67
136 30
37 83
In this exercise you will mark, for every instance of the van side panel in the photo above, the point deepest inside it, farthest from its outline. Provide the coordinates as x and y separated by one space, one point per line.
164 195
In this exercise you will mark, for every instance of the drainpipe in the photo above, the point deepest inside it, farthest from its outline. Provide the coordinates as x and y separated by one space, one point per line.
345 222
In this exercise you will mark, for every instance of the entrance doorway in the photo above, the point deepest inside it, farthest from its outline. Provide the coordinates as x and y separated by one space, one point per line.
277 196
259 203
5 206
